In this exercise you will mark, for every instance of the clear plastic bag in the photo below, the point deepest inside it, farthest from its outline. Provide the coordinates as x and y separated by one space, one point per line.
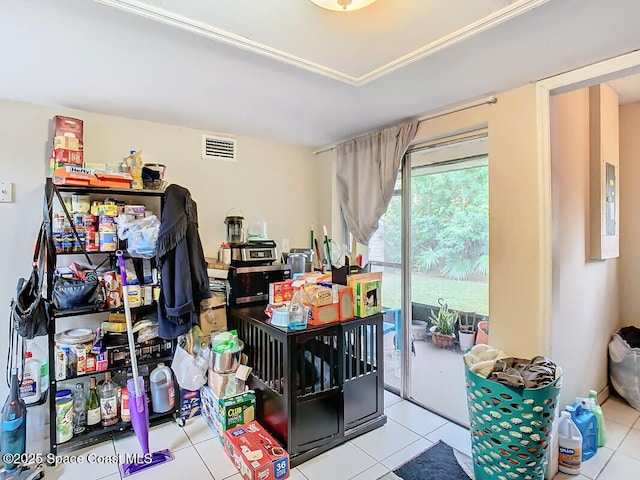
624 370
141 235
190 371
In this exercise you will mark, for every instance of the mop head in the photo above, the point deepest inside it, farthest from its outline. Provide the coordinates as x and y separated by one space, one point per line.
145 462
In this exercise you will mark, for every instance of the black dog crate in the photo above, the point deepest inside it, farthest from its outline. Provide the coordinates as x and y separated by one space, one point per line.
318 387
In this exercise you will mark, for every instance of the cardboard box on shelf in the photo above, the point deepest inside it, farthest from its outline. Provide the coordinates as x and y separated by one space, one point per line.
255 453
67 157
345 302
213 315
71 175
366 292
68 127
324 314
116 349
280 292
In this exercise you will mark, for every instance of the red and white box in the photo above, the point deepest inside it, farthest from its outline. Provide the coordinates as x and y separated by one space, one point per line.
255 453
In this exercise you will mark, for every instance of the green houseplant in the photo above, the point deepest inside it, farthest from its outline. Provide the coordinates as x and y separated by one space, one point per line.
443 325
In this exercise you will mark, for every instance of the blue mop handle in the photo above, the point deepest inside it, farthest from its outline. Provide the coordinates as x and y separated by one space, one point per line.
127 314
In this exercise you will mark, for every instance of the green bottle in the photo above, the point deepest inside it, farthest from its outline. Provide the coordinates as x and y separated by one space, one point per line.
93 405
597 411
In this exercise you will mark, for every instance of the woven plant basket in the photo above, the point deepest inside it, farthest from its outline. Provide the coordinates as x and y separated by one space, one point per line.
442 341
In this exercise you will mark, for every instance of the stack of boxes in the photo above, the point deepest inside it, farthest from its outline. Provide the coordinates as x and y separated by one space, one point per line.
67 143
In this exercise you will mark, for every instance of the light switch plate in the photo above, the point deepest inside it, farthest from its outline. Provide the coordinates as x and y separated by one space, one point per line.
285 245
6 192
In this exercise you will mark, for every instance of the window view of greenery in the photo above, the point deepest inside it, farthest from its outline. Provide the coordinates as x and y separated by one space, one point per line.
449 241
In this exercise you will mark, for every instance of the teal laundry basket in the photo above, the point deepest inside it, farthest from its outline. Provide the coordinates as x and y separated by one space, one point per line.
510 428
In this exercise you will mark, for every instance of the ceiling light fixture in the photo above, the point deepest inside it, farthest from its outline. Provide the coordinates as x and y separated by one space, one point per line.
343 5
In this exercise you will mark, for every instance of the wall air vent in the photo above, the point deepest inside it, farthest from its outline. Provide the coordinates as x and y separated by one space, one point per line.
218 148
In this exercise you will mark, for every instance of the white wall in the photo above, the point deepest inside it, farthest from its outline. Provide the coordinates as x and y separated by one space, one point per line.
285 184
585 293
629 267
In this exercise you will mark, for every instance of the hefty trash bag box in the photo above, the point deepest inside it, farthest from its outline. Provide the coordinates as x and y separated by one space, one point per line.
255 453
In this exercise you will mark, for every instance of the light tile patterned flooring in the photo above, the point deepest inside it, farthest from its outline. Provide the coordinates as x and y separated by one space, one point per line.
409 430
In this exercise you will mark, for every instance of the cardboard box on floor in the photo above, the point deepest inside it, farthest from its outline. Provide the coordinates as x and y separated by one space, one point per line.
225 384
255 453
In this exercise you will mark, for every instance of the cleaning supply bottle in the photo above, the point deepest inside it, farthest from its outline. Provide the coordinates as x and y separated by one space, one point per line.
588 426
163 394
297 311
30 386
40 356
596 409
569 445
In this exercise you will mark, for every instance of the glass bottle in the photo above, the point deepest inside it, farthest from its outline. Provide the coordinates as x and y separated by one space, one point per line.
93 404
79 409
108 393
297 312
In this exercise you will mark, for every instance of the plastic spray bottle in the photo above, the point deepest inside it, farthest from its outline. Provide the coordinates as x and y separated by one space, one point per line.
569 445
596 409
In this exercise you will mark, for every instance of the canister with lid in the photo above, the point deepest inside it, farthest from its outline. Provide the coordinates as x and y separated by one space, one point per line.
64 416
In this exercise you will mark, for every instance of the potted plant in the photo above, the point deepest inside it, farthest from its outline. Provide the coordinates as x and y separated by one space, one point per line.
466 330
443 325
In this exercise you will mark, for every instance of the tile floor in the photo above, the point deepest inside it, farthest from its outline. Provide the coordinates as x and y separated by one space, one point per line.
409 430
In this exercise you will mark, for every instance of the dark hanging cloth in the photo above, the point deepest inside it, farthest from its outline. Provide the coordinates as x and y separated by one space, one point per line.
183 268
521 373
631 335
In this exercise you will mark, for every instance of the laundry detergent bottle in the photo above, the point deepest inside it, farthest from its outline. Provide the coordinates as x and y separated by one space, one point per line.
569 445
163 395
588 426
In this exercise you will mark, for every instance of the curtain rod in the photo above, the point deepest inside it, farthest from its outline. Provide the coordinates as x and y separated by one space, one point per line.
487 101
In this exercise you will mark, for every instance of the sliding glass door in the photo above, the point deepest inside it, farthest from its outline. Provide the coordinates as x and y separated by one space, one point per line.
439 219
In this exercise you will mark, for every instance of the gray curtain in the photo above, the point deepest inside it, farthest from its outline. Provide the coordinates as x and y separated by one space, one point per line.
367 168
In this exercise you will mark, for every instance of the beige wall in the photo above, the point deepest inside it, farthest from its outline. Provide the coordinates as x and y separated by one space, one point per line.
280 182
629 268
519 243
585 293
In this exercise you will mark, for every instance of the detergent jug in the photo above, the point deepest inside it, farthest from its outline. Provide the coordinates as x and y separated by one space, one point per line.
588 426
569 445
163 394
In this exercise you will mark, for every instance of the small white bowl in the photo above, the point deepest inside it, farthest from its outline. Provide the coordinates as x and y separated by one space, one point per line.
280 317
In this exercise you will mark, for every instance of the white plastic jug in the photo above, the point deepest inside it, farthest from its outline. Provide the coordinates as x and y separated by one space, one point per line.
30 387
40 356
569 445
163 396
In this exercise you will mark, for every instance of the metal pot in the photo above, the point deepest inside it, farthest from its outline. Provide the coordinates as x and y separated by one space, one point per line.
227 362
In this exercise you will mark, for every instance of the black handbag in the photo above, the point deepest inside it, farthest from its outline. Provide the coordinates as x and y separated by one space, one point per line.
30 311
75 293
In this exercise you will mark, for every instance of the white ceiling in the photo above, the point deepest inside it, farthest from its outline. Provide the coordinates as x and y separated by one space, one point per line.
288 70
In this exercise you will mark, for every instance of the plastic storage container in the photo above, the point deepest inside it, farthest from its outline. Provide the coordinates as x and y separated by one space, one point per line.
297 262
569 445
163 394
64 416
